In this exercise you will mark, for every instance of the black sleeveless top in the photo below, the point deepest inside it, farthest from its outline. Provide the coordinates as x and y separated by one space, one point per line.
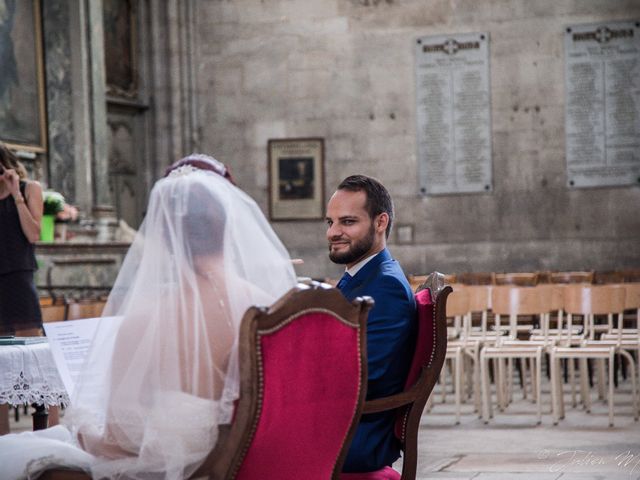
16 252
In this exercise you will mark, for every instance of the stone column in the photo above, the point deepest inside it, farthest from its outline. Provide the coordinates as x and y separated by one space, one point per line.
97 79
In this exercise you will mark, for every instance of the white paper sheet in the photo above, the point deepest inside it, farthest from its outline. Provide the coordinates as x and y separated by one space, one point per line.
70 342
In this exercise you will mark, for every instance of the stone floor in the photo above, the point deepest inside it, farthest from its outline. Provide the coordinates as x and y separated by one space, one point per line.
512 446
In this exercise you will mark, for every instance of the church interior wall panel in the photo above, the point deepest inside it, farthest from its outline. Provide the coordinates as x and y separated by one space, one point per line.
343 70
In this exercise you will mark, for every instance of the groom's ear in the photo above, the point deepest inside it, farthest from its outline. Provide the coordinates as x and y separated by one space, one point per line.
381 221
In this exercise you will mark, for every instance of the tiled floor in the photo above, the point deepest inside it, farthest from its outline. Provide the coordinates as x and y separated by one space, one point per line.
513 447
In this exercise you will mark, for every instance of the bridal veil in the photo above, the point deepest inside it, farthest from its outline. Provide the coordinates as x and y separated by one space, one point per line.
151 397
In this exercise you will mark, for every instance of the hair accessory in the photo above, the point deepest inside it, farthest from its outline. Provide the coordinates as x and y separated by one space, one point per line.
183 170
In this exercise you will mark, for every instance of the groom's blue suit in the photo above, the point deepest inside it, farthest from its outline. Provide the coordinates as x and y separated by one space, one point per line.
391 330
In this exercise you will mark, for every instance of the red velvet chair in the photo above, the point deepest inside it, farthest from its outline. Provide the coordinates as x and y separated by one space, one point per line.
303 384
431 348
303 370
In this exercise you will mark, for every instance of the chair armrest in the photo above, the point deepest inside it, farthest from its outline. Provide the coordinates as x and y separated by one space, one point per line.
61 473
389 403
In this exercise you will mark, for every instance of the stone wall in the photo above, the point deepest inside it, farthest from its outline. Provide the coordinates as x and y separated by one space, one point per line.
344 70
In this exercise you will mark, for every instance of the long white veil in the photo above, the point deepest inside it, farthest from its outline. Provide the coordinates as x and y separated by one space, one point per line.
150 397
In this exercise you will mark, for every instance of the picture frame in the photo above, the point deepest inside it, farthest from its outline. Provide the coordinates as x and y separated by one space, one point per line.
22 91
296 178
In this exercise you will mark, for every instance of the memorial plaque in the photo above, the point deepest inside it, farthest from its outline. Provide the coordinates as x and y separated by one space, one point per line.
453 113
602 109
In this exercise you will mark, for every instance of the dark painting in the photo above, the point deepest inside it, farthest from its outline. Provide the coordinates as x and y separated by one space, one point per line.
296 178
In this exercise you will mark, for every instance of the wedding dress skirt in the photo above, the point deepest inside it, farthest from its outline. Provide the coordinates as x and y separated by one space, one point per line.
170 445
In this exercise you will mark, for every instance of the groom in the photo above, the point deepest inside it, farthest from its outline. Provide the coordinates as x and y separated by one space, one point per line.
359 218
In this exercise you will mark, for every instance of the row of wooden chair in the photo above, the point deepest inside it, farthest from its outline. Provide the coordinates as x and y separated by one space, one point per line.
474 345
62 310
529 279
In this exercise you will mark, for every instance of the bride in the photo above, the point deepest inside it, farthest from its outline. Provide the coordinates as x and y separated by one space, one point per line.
150 399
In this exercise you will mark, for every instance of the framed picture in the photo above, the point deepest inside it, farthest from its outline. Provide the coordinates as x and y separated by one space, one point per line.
296 179
22 103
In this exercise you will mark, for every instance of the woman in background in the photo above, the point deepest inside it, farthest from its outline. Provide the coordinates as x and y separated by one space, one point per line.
20 214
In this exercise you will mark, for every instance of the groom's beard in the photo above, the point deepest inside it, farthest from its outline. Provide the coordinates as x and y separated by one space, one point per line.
357 249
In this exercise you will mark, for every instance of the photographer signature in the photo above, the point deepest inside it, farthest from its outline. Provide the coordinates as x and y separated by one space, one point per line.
627 461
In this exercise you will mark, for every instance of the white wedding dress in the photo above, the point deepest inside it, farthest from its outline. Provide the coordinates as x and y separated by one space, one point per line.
150 400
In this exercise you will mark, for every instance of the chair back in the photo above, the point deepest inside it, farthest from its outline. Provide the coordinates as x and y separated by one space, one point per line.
507 300
479 298
457 302
552 296
53 313
303 382
90 309
572 277
476 278
518 279
594 300
632 296
428 358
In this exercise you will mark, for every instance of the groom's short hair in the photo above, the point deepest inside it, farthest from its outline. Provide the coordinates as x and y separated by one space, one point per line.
378 198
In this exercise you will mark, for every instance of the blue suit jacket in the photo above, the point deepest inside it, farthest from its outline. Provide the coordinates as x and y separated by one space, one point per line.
391 331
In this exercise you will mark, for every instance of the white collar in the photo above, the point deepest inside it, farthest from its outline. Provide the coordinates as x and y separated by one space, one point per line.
358 266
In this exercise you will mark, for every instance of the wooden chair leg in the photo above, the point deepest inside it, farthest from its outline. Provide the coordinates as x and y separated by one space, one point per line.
632 373
537 386
585 392
523 377
54 415
601 378
486 392
572 382
477 389
500 381
40 417
611 388
4 418
555 391
457 382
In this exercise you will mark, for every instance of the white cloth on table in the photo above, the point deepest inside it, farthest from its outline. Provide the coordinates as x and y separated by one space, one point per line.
28 375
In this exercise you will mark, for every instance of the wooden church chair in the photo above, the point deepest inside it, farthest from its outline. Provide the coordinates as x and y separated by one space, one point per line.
428 359
303 374
587 301
458 347
513 302
629 338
